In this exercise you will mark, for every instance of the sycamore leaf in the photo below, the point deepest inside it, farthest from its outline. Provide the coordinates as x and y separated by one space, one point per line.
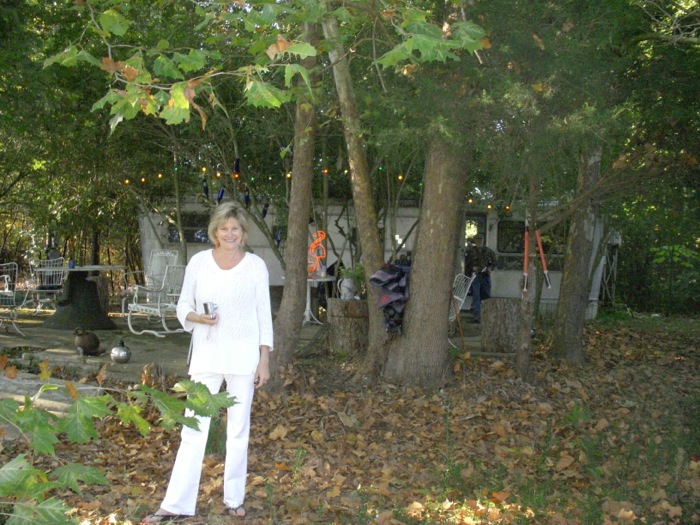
193 61
4 359
70 475
201 401
278 47
262 94
132 414
49 512
43 440
166 68
170 407
280 432
295 69
114 23
11 372
18 478
44 370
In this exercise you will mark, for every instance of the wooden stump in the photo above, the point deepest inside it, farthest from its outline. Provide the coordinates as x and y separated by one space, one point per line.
102 284
348 324
500 324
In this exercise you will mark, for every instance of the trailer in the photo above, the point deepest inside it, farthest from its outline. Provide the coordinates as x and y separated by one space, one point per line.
503 233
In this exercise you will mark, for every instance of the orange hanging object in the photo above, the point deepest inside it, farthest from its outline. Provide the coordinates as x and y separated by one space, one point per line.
547 281
526 257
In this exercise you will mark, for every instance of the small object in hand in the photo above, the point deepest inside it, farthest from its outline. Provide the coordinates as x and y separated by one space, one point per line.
210 310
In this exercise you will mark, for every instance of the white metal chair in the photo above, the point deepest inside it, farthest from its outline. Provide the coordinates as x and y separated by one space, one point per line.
460 290
158 302
9 294
47 277
151 277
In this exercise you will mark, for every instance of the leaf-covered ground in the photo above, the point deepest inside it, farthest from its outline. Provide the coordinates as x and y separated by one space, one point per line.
615 442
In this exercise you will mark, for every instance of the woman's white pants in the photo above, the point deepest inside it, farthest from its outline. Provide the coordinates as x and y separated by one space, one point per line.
181 496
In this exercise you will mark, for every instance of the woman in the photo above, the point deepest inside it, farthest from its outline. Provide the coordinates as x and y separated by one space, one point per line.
233 346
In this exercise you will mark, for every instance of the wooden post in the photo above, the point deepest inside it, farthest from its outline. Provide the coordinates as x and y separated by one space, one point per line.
348 325
500 324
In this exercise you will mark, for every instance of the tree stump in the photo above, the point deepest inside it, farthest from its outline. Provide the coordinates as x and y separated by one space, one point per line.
102 284
348 325
500 325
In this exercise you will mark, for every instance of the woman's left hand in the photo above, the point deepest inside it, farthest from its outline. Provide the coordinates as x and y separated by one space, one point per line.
262 375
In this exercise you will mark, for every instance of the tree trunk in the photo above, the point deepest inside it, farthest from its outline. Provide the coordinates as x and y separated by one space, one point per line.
567 336
419 357
289 317
500 325
347 326
365 214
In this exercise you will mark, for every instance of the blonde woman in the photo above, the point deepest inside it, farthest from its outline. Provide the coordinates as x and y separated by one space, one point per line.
230 345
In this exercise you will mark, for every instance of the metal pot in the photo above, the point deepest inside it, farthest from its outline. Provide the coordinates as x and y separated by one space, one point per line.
120 353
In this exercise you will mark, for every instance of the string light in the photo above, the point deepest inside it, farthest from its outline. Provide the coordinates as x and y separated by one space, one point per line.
127 181
289 174
400 177
143 180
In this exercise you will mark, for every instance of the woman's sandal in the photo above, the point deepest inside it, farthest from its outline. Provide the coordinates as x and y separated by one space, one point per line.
166 518
238 512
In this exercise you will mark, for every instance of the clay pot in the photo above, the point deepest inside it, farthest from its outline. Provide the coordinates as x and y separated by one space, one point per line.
86 343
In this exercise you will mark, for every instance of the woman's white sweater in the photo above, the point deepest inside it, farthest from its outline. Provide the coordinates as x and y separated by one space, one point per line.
242 295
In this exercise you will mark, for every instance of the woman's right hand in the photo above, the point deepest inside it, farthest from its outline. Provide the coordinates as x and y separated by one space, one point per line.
210 320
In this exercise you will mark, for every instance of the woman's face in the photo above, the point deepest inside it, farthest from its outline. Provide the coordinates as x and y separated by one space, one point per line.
230 235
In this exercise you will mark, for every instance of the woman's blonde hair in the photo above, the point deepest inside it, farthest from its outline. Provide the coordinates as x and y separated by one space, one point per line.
222 213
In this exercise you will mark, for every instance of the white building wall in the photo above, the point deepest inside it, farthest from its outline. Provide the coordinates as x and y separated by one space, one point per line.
506 283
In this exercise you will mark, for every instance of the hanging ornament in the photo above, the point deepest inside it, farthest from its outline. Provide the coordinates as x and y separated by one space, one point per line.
237 168
278 237
246 198
264 210
205 187
220 195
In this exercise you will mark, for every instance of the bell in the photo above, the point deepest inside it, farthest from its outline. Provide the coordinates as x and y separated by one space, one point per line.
86 343
120 353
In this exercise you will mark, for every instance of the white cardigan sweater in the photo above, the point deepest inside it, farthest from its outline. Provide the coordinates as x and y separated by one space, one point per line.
242 295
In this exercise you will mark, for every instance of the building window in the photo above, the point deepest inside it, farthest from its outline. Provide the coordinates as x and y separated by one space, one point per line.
195 228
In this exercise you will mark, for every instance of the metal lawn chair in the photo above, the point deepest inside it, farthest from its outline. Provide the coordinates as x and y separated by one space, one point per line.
460 290
151 277
10 297
158 303
47 278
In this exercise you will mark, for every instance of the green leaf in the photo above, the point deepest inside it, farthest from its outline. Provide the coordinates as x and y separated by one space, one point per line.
262 94
113 22
194 61
18 478
397 55
201 401
77 423
290 70
71 475
302 50
170 407
110 98
132 414
173 115
163 67
49 512
43 440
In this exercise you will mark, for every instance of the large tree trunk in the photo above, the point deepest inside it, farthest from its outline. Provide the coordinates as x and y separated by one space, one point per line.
289 318
365 214
567 337
419 357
